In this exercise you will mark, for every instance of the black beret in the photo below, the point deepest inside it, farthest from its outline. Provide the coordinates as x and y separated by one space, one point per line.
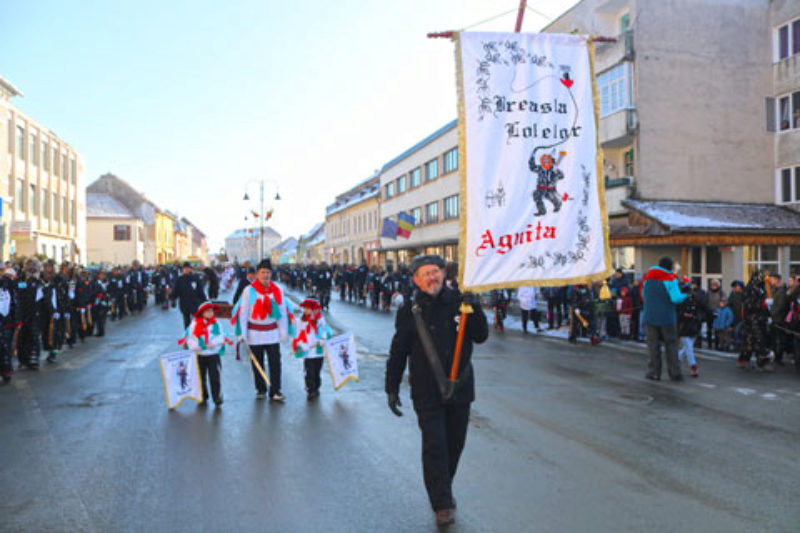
422 260
265 263
187 265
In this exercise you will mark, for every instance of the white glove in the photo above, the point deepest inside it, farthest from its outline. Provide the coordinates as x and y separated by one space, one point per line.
67 316
56 316
769 302
578 312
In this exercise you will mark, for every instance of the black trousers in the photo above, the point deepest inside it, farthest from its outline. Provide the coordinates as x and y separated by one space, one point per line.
444 432
29 344
273 352
6 338
534 316
553 312
210 366
312 370
99 315
187 319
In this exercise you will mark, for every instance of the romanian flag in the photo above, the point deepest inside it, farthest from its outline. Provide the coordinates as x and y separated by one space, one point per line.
405 223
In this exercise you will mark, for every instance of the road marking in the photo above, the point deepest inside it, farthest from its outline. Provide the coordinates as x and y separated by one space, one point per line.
708 385
768 396
746 392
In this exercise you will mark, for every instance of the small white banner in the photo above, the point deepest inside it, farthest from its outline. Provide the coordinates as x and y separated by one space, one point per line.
531 184
340 352
181 377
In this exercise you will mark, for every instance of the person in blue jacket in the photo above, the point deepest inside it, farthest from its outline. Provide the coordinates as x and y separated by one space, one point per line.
660 295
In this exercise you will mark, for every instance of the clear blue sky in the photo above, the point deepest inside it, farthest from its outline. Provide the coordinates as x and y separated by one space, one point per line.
190 100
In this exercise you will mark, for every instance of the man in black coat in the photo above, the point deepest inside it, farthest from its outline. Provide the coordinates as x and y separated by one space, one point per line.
443 421
189 289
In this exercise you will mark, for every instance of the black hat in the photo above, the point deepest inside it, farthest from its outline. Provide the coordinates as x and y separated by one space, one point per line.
429 259
251 270
187 264
265 263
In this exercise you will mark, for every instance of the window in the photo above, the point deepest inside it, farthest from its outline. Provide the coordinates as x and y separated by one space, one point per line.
451 160
56 171
56 212
789 39
432 213
402 184
122 232
19 196
72 170
431 169
64 209
789 186
625 23
46 204
760 258
389 192
20 142
74 214
32 203
794 260
414 178
417 214
45 155
32 154
629 162
614 86
450 207
789 111
64 167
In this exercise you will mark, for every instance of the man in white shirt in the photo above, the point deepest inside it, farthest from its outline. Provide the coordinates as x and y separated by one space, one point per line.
264 321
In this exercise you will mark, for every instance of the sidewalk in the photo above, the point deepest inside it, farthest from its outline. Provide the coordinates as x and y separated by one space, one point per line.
514 323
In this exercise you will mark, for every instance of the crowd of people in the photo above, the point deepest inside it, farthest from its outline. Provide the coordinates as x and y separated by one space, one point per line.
46 307
764 323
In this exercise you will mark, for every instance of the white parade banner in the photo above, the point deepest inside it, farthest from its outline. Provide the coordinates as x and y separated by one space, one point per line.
532 192
340 352
181 376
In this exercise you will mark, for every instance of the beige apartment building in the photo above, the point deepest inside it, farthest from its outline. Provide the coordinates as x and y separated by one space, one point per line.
114 235
692 93
352 225
41 188
423 182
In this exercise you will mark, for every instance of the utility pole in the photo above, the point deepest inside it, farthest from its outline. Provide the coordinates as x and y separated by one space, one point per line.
261 218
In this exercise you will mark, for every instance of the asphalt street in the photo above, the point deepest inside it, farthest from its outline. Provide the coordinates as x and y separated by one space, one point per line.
562 438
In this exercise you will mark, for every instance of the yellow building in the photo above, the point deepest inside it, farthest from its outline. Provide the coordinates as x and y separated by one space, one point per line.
165 237
352 225
42 196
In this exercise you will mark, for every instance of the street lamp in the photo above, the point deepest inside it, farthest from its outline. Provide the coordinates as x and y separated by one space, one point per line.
261 213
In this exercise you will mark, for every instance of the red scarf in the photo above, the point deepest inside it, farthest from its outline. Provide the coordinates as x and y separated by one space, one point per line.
201 328
262 307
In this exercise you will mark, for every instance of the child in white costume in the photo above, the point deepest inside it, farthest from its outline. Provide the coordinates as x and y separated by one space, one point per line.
207 338
309 344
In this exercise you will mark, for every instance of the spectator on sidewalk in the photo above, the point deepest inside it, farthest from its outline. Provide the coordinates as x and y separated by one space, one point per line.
689 324
713 296
528 299
723 326
624 305
661 295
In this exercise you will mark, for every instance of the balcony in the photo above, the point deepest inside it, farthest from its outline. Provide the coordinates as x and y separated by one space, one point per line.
618 129
786 75
787 146
609 54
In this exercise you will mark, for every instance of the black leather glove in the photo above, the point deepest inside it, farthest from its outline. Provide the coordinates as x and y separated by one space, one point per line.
394 402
